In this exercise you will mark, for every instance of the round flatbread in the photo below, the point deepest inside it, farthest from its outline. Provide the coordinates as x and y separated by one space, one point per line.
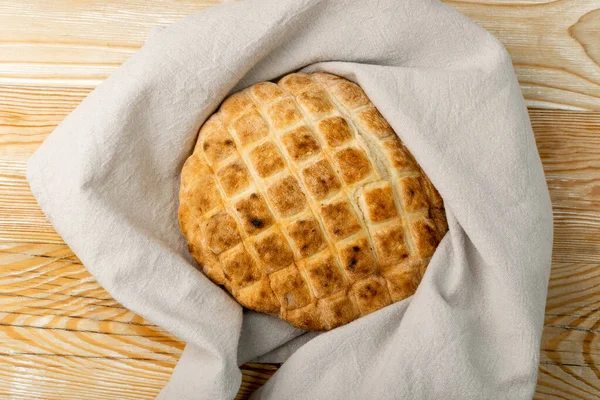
300 199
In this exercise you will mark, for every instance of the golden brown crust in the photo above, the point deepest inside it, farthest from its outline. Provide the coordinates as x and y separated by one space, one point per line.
404 278
302 202
413 195
240 268
335 130
267 159
438 215
306 236
371 294
300 143
234 177
308 317
259 296
217 145
297 83
324 276
352 164
202 196
254 213
373 121
267 92
273 251
390 243
290 288
350 95
357 259
220 232
338 310
379 203
234 106
283 114
339 219
425 237
287 196
326 80
315 102
320 179
249 128
397 155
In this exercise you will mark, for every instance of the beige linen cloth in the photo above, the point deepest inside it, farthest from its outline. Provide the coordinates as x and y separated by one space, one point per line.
108 180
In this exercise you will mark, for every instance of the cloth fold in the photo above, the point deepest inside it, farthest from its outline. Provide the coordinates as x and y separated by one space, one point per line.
108 180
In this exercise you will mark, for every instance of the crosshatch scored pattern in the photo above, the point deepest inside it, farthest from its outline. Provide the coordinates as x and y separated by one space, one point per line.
300 199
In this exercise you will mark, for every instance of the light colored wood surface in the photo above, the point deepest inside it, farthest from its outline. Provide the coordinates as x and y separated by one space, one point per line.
64 337
555 44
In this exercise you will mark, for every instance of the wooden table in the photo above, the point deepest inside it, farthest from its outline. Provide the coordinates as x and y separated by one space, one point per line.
63 337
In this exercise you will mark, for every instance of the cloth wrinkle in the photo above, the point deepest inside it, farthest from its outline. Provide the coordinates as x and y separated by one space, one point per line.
108 180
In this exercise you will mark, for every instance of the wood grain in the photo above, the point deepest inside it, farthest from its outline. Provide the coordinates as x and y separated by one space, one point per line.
555 45
569 145
571 339
64 337
60 329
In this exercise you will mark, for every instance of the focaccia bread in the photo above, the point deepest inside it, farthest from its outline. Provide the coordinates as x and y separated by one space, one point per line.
302 202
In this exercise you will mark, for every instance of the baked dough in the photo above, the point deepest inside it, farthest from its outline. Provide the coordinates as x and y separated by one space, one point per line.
302 202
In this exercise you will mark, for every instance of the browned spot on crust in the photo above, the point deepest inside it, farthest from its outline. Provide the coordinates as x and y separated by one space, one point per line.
300 143
234 177
249 128
287 196
380 203
411 193
357 258
273 251
324 276
352 164
283 114
371 295
220 232
335 130
267 159
307 236
339 219
320 179
254 213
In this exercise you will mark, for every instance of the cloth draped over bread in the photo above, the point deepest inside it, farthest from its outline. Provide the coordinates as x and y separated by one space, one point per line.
108 179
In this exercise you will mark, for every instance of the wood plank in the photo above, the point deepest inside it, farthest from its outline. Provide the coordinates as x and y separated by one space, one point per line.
555 45
63 337
571 337
58 42
569 146
60 329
